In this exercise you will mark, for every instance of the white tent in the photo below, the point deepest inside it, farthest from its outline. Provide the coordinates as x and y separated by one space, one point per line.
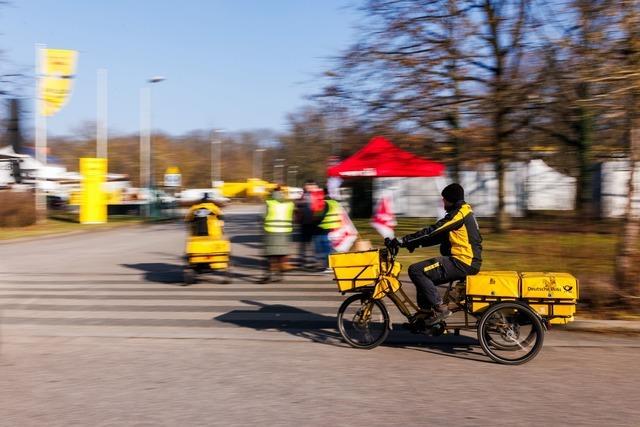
548 189
528 186
615 181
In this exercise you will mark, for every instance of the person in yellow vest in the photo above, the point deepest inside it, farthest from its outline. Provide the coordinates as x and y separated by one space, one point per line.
206 218
331 219
278 227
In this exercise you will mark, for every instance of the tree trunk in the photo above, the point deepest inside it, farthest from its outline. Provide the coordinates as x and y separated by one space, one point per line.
456 143
627 271
584 185
502 220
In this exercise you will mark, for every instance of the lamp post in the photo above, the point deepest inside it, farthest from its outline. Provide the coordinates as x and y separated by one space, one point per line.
146 172
257 162
102 113
216 156
293 171
278 167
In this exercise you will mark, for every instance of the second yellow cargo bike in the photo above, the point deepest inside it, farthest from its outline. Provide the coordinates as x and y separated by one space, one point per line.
511 311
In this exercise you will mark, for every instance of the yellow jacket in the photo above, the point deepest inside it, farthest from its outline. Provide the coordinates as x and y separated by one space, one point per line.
206 220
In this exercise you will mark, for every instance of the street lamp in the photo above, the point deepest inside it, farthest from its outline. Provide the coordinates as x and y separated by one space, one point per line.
278 167
146 172
257 162
216 156
293 170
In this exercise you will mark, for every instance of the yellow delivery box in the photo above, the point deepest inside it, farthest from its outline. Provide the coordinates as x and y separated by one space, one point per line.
490 286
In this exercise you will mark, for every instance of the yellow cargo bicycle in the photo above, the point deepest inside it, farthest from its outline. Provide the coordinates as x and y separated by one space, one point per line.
206 255
510 311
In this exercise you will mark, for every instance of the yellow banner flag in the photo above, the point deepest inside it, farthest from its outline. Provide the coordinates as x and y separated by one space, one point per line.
58 68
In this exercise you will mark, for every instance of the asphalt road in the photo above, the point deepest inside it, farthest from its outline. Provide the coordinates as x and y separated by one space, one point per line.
95 330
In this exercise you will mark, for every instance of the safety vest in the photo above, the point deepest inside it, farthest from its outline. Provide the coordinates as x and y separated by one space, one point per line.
279 217
331 219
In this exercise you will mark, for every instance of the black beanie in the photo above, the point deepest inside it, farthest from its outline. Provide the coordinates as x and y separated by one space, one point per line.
453 193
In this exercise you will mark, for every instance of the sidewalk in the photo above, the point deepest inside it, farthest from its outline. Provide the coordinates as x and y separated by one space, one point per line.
601 326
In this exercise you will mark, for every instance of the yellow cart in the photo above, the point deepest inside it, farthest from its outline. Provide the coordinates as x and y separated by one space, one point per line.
206 255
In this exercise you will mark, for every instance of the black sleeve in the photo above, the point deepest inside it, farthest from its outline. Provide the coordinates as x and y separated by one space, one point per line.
434 234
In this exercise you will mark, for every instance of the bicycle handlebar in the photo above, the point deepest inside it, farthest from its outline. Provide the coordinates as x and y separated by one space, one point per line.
391 254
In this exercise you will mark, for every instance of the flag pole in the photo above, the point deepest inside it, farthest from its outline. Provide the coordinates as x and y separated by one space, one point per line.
40 138
102 112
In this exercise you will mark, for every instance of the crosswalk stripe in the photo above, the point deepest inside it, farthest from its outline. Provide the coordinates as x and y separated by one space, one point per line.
201 287
147 294
4 303
172 315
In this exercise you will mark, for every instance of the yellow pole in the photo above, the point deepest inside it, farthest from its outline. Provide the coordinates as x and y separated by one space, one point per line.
93 200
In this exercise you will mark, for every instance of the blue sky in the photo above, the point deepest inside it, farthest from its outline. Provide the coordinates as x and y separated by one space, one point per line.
240 64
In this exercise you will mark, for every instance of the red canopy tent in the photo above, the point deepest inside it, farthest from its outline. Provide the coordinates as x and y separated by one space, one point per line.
380 158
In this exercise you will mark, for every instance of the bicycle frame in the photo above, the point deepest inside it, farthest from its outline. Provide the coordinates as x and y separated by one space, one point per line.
387 282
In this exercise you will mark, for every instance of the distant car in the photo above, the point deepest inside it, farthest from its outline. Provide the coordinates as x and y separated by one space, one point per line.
192 195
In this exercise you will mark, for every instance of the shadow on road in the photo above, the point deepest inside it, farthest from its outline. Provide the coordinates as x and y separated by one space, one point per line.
285 318
322 329
253 241
172 274
248 262
159 272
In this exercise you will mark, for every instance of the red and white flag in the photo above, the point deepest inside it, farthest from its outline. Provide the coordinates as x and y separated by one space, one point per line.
344 237
384 220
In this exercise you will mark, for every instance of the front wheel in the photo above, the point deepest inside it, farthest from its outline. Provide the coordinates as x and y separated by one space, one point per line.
363 321
510 333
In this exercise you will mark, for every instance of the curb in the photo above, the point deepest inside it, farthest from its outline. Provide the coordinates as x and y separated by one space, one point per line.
602 326
67 233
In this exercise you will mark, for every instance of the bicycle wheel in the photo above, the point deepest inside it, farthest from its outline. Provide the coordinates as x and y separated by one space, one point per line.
363 321
510 333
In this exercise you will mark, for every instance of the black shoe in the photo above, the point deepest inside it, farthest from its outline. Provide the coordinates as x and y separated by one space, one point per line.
416 325
441 312
265 279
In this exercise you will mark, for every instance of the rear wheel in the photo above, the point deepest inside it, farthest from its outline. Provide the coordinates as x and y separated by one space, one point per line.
363 321
510 333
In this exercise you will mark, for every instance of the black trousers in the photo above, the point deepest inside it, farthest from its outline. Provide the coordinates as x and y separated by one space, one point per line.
425 275
306 237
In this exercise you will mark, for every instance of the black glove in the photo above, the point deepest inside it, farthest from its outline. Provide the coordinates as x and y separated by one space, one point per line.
408 246
390 243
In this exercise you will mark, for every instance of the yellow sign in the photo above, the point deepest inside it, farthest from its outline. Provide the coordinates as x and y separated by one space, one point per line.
93 200
58 68
172 177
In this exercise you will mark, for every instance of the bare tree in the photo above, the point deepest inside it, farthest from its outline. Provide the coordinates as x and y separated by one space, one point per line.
445 67
566 112
628 76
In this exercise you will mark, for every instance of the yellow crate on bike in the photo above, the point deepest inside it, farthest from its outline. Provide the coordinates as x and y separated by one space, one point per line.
557 286
505 284
479 306
207 245
353 270
553 310
556 314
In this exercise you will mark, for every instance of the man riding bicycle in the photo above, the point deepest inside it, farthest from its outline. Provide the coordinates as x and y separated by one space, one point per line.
460 245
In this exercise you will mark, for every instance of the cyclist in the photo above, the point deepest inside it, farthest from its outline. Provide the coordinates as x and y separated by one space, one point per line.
460 246
206 218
